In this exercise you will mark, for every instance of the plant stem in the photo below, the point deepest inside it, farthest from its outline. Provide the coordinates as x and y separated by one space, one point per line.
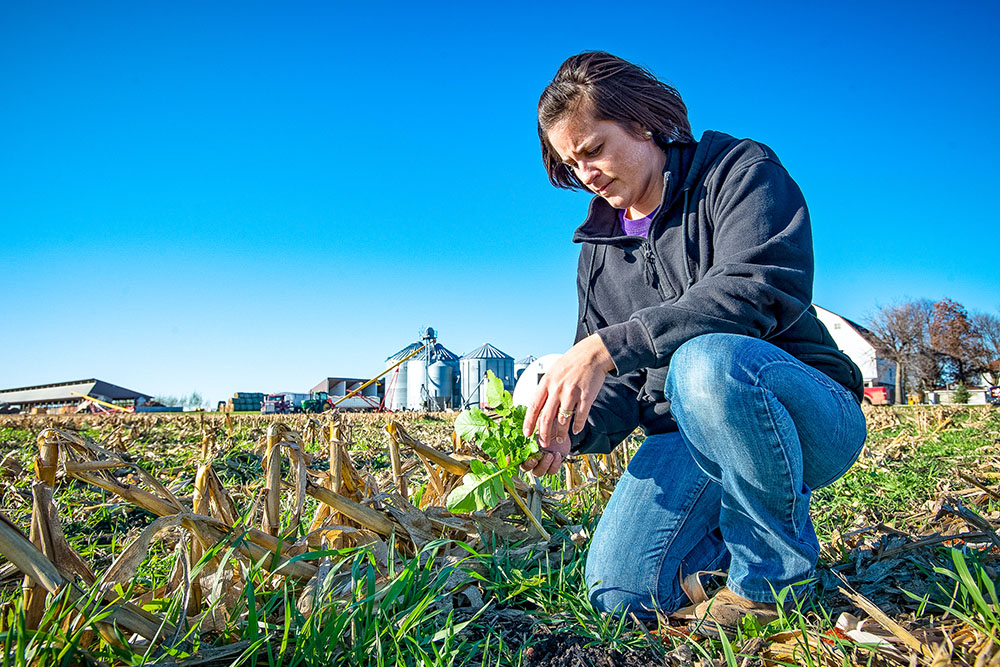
524 508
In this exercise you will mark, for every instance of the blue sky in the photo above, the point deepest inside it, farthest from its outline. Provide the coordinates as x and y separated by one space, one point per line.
222 197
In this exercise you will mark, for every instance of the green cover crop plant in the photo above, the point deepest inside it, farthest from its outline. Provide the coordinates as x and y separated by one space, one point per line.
501 438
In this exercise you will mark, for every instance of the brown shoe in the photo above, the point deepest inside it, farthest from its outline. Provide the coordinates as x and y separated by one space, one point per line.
725 611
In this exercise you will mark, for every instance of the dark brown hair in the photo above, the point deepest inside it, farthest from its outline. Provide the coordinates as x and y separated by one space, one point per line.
613 89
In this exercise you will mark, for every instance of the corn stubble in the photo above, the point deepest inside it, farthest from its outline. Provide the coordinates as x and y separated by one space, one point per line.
220 554
342 537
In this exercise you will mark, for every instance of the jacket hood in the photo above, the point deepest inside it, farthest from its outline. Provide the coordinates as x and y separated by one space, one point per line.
682 170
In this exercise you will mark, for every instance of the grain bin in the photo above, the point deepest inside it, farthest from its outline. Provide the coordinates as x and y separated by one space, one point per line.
395 382
473 367
416 383
519 366
440 384
418 387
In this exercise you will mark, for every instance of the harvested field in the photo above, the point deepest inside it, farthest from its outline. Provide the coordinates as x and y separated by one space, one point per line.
300 539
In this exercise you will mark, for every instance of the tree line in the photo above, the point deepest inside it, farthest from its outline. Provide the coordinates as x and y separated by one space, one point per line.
937 345
192 401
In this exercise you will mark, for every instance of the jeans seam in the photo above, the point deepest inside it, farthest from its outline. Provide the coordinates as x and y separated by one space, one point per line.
774 428
667 547
840 393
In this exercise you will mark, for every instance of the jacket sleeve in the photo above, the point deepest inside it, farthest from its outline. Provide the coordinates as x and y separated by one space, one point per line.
759 281
615 413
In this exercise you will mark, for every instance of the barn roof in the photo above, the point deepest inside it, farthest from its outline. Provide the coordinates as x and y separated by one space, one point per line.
64 392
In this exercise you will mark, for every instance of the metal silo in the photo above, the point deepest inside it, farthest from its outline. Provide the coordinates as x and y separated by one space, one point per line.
440 384
416 383
418 388
395 382
519 366
473 367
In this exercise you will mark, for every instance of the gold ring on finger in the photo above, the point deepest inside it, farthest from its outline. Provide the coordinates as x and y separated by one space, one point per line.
565 414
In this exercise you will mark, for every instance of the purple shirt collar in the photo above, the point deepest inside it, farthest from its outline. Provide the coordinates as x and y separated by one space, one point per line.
639 227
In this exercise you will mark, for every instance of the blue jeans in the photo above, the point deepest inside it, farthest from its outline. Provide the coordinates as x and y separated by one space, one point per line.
758 431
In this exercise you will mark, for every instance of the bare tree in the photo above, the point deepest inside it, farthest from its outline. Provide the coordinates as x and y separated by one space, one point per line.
953 335
927 367
987 327
901 330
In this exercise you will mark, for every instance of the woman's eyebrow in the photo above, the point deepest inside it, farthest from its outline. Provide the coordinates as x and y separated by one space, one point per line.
581 148
584 146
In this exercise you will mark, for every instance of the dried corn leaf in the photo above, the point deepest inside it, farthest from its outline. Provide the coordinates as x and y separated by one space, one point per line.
67 560
224 508
436 484
11 466
892 626
211 532
126 565
321 517
804 648
19 550
355 511
452 465
132 494
416 524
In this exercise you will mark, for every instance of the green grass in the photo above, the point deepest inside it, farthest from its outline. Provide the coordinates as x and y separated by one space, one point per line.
11 437
885 483
406 614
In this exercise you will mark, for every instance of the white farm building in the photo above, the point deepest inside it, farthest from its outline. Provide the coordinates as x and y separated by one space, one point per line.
858 343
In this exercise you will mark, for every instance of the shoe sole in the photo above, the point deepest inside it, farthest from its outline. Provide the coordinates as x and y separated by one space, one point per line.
711 629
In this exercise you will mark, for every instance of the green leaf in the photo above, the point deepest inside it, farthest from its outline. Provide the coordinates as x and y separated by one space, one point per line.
477 467
471 423
492 445
463 498
517 416
496 396
478 491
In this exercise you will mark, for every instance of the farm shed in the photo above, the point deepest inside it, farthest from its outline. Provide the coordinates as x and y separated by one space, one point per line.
369 397
859 344
60 397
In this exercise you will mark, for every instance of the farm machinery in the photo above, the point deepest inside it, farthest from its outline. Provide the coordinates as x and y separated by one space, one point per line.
277 404
320 402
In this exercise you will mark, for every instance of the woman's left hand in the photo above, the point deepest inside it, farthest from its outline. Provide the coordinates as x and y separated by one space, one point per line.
566 393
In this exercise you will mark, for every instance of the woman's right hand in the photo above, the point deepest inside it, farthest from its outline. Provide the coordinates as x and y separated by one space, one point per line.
563 400
547 460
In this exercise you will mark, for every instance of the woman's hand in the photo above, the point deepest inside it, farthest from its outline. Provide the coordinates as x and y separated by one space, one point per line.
548 460
564 396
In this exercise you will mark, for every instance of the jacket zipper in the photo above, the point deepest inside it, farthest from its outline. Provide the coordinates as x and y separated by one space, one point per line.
650 263
652 260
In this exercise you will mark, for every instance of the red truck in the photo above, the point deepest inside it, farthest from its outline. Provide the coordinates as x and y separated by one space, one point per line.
276 404
877 396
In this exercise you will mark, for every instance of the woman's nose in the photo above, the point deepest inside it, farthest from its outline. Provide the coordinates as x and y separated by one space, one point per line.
588 173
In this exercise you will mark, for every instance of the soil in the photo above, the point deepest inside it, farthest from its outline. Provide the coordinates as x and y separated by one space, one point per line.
568 650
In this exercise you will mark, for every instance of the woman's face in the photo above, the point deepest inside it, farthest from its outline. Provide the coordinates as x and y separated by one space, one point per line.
626 170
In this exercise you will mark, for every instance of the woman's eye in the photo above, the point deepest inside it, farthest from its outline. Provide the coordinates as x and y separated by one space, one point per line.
593 152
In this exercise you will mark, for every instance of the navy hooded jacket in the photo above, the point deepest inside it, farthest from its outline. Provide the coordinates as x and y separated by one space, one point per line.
729 251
